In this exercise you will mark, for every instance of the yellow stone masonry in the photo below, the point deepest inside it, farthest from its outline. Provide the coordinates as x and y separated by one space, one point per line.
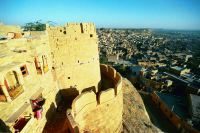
61 63
20 82
100 113
75 55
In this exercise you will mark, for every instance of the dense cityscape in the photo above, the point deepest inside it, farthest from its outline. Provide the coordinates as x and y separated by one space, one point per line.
166 62
162 68
106 66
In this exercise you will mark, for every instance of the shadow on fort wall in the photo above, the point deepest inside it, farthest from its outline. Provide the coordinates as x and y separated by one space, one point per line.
156 115
106 82
63 100
56 117
67 96
3 127
89 89
50 112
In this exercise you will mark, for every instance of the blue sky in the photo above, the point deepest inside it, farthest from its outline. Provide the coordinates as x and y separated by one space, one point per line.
168 14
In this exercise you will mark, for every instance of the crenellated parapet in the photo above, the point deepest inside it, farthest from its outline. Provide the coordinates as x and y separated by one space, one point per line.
71 30
100 112
62 66
112 74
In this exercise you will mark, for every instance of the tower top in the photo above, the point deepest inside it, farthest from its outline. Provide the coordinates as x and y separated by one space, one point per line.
75 28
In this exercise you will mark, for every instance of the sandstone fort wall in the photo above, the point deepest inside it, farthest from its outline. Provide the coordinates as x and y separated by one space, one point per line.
180 124
26 87
100 112
75 55
63 60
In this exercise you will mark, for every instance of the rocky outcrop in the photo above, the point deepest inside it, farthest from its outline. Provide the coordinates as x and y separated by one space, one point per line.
135 117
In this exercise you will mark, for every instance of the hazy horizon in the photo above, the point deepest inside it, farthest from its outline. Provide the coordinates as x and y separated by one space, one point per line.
154 14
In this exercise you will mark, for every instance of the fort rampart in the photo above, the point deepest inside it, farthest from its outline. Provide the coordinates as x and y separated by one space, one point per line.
101 112
180 124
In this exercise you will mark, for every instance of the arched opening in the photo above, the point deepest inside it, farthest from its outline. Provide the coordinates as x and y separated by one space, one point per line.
45 63
2 96
38 66
11 80
12 84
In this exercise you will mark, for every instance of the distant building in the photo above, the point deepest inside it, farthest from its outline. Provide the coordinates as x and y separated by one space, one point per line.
179 70
187 57
154 71
168 82
137 70
113 58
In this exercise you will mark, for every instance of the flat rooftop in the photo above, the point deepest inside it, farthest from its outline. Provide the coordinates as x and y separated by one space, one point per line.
177 68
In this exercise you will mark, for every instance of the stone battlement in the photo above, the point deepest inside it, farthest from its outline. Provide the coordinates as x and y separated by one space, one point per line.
89 109
62 66
73 29
111 73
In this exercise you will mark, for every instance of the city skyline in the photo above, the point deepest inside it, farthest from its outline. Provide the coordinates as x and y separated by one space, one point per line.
170 14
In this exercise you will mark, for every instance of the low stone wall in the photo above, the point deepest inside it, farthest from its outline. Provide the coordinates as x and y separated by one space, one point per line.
180 124
83 103
114 75
101 112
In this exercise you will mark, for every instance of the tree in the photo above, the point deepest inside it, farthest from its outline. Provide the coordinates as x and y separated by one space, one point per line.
34 26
